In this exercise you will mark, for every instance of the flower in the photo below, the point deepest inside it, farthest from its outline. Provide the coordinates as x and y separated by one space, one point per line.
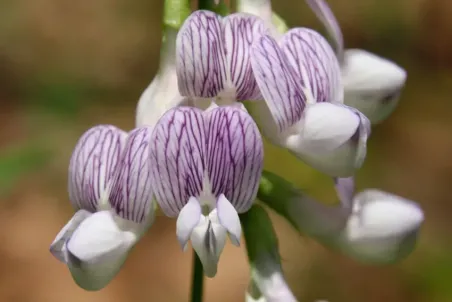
213 58
109 186
382 227
162 94
300 82
372 226
372 84
205 169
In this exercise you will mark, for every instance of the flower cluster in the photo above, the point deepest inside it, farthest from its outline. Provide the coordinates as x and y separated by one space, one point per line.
197 153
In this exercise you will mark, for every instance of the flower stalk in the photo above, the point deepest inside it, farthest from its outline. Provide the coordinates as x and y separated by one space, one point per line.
197 285
220 7
175 12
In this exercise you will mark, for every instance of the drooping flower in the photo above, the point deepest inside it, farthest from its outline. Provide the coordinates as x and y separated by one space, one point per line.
372 226
205 168
162 94
301 84
382 227
110 187
372 84
213 58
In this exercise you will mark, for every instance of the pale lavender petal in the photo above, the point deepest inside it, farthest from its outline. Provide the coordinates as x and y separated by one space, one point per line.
187 220
315 62
345 188
92 165
278 82
131 190
229 219
200 55
326 16
177 153
234 155
240 32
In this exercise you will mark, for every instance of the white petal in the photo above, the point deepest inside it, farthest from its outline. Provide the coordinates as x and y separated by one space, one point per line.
383 227
330 139
58 246
208 240
372 84
97 250
189 217
229 219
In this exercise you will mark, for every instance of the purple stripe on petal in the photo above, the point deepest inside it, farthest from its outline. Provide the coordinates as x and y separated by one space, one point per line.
234 155
92 165
315 62
177 153
131 189
278 82
240 32
200 56
326 16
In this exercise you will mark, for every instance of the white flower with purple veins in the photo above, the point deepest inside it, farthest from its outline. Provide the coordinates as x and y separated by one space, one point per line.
206 168
372 84
110 187
301 84
213 58
382 227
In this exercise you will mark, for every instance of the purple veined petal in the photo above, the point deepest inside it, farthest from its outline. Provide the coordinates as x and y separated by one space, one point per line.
92 165
278 82
240 31
314 61
326 16
200 56
234 155
345 188
131 190
177 154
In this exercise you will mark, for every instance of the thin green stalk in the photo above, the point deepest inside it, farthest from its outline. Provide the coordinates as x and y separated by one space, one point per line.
175 12
197 285
221 9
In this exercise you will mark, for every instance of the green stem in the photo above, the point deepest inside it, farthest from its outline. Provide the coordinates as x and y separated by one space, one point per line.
221 9
275 192
175 12
197 285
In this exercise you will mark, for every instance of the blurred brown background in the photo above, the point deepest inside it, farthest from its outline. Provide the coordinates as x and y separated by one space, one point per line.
68 65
